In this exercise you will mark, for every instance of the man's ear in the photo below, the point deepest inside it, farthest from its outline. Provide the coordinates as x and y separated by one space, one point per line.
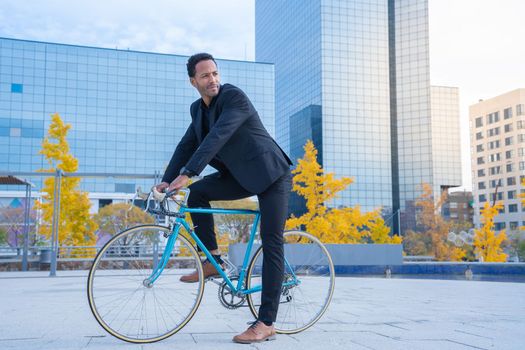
192 81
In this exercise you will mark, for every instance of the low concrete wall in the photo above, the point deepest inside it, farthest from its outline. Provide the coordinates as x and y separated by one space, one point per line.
341 269
366 254
342 254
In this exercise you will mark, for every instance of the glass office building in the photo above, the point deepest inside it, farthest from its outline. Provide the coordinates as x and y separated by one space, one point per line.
331 64
128 109
444 110
364 66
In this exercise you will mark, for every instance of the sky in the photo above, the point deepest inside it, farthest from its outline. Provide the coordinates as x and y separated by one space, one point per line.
475 45
479 47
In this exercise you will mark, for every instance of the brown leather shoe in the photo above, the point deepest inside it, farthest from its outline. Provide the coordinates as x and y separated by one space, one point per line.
256 333
207 269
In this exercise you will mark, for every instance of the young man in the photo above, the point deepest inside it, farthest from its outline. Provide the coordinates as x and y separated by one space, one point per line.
227 133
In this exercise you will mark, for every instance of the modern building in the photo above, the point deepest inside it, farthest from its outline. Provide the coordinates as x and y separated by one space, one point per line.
127 109
356 73
459 207
497 138
446 155
446 139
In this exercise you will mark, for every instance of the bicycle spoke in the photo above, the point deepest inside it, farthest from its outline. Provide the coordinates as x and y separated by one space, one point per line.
303 304
164 314
121 302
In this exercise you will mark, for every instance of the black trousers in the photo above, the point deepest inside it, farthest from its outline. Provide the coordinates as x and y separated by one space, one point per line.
273 204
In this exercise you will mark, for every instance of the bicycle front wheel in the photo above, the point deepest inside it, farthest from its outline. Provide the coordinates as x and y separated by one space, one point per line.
308 286
120 294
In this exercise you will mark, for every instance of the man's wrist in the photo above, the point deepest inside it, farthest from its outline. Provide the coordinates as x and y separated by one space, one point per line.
187 172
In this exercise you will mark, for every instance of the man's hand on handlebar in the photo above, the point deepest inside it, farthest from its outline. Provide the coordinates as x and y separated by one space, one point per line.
162 186
180 182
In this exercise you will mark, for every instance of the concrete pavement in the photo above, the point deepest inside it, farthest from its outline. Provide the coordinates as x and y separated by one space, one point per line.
38 312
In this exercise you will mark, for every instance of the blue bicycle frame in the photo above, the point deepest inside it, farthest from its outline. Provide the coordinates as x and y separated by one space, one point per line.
181 222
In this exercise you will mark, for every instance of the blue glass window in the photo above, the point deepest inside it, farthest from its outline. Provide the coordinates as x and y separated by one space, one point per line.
17 88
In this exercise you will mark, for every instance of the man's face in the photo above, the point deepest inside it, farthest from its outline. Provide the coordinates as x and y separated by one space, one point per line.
206 80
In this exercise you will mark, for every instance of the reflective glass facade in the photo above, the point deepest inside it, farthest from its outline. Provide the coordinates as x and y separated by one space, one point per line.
128 109
366 64
334 54
305 125
288 34
445 136
409 46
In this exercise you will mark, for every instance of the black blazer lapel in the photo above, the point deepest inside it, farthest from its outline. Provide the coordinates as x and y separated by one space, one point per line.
197 123
213 115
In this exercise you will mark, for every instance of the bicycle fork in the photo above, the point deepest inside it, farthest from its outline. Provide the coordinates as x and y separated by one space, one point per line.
158 267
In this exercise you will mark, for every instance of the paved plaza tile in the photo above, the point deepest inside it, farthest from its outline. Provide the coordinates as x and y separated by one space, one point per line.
39 312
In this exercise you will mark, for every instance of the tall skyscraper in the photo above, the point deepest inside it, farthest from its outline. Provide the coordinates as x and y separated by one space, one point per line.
446 155
360 71
128 109
497 134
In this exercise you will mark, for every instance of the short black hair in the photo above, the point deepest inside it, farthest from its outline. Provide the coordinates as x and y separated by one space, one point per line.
193 60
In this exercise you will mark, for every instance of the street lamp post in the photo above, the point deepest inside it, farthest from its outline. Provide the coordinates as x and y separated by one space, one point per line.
26 226
56 218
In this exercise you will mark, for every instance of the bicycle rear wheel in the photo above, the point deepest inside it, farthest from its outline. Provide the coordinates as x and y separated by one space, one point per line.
122 300
309 281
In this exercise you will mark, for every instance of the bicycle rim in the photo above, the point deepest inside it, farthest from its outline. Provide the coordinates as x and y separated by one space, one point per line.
127 307
301 305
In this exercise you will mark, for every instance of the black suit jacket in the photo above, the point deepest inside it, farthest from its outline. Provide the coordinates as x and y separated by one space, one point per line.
237 138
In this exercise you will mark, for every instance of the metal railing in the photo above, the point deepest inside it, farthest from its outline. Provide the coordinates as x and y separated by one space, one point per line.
42 253
58 175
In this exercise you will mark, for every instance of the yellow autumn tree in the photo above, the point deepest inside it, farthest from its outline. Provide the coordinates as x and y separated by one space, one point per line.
235 227
433 228
486 242
75 225
379 233
332 225
116 217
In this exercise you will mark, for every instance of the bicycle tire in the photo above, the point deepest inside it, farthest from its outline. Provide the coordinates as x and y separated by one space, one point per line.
121 300
302 305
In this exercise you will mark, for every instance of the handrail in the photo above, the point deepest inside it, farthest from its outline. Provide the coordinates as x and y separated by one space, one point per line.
79 174
58 174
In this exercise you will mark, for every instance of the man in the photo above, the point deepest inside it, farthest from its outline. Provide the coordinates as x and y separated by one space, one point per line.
227 133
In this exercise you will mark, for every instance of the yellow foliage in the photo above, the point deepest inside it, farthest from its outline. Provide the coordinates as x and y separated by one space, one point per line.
313 184
522 194
487 244
435 228
380 233
75 225
117 217
332 225
416 243
234 226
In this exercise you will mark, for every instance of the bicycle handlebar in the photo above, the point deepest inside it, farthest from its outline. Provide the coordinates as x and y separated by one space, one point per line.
162 207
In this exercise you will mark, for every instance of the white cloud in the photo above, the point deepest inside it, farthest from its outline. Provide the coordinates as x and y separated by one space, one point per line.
177 27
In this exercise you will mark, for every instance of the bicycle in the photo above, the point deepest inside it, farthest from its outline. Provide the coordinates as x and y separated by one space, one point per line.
135 294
